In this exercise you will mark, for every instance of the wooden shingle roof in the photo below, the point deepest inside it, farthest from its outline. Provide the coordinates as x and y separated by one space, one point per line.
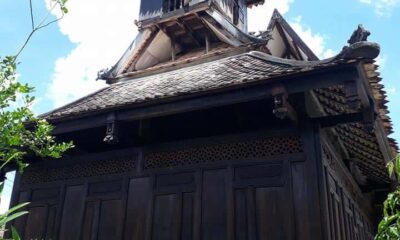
248 69
216 75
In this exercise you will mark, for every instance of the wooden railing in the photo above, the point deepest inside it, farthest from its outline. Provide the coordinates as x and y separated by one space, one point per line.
173 5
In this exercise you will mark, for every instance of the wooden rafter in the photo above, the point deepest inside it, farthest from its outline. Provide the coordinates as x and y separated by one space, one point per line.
287 43
188 31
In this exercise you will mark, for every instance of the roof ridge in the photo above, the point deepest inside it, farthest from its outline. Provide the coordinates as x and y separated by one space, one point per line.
358 50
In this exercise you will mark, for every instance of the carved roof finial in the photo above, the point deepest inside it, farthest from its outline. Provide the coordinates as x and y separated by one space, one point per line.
359 35
103 74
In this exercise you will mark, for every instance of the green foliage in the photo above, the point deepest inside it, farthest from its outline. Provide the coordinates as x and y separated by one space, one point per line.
62 4
22 133
389 227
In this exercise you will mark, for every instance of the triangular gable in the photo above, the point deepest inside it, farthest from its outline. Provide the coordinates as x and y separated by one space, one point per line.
285 42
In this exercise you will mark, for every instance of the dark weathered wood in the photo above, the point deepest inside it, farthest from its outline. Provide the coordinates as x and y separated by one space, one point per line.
36 223
270 197
165 218
187 216
138 208
188 31
110 222
72 213
214 221
301 192
313 166
214 99
89 229
334 120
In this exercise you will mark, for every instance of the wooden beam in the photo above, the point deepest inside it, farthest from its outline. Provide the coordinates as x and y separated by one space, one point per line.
215 98
375 187
207 40
289 47
188 30
366 97
173 48
331 121
297 50
351 95
85 122
166 17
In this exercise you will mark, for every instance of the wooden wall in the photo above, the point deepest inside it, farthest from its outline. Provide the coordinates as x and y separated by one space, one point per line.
253 186
348 211
266 185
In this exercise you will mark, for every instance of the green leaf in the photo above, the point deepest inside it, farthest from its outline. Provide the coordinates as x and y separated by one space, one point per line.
15 208
14 234
11 217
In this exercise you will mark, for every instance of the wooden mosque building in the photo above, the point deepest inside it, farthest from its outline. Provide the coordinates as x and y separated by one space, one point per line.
208 132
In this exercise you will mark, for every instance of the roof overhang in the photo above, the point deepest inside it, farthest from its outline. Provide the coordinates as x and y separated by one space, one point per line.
303 82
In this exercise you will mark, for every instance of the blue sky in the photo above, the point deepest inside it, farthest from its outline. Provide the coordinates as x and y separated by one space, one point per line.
62 60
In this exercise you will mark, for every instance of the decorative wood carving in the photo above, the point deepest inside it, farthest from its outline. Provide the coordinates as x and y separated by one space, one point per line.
282 108
359 35
112 130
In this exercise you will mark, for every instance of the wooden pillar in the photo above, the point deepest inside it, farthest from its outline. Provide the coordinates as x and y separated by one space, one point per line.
207 40
173 53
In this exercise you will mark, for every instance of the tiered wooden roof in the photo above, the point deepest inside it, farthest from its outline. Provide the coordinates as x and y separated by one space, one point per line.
251 68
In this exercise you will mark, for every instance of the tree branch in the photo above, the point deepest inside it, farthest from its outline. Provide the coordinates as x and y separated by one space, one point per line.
41 25
32 17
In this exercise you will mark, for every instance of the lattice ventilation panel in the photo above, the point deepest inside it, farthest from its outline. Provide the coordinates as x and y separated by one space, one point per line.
80 170
254 149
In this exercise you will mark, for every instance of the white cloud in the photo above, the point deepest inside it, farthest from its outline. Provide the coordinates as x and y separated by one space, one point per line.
101 30
315 41
383 8
259 16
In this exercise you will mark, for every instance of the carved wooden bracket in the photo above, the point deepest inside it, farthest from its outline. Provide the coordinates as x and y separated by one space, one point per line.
112 130
282 108
351 95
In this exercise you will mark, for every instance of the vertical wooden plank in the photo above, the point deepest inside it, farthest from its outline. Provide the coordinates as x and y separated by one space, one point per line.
51 220
138 208
251 213
110 222
72 213
301 191
207 40
36 223
173 48
187 216
166 217
214 211
318 220
197 206
230 215
241 210
90 220
273 215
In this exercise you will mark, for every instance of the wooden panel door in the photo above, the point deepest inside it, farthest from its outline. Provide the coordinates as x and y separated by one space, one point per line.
262 203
